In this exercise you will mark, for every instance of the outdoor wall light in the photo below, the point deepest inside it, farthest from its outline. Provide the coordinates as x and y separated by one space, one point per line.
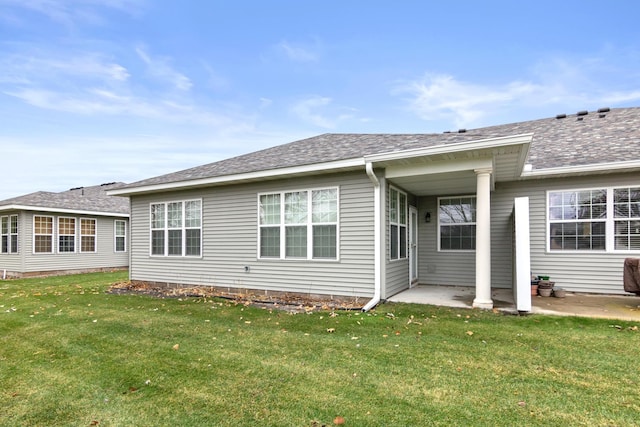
427 217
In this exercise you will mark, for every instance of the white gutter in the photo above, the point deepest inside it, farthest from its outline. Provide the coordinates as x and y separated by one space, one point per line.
60 210
583 169
261 175
377 241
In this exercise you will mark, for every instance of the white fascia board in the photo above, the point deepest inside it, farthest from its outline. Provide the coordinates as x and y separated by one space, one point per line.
443 166
478 144
235 178
611 167
64 211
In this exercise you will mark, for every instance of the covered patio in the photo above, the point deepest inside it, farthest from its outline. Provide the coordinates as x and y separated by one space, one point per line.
622 307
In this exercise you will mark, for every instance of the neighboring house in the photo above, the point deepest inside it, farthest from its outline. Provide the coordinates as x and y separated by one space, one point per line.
367 216
82 229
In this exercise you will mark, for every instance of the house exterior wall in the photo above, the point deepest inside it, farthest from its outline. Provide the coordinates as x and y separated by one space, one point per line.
26 261
230 241
583 271
440 267
13 262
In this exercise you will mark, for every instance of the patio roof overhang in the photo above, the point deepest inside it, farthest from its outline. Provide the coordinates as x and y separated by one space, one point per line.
451 167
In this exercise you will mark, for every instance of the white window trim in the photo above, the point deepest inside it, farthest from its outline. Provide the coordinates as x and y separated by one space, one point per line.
398 224
309 224
7 234
53 234
75 235
95 236
609 223
14 235
183 228
115 236
457 251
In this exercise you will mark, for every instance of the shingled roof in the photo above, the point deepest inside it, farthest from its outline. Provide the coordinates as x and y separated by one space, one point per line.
585 138
92 199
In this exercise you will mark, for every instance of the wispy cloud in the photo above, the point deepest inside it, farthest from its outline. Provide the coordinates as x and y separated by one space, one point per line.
160 68
71 13
319 111
299 52
557 82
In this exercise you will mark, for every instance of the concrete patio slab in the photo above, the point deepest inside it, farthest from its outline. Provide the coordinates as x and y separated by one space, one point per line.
623 307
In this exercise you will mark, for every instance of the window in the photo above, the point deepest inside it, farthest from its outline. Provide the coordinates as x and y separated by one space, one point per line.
397 224
306 221
9 234
176 228
626 211
601 219
42 234
13 234
120 232
66 234
87 235
457 223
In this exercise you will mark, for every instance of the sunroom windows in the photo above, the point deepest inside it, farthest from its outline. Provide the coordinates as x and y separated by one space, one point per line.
298 224
600 219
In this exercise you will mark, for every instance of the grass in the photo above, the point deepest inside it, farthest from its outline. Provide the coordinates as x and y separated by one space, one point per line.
73 355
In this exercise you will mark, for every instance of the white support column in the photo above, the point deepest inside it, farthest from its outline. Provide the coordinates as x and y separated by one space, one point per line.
483 239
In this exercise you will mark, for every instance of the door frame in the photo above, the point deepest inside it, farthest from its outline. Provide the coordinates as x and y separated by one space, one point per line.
413 245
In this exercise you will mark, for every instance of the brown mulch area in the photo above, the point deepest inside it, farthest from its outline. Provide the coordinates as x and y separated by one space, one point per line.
292 303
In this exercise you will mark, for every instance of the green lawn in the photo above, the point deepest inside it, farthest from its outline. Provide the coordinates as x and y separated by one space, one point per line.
73 355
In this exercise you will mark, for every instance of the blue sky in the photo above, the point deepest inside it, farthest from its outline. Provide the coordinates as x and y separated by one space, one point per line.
94 91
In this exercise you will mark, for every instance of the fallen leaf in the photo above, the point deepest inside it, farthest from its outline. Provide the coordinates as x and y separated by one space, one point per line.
522 403
338 420
469 333
175 347
330 330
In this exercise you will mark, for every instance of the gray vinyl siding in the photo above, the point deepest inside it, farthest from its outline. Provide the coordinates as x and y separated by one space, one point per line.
595 272
13 262
104 257
440 267
230 241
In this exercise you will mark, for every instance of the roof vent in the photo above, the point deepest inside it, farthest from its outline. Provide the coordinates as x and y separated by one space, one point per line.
579 118
462 130
447 131
561 116
604 110
76 188
583 113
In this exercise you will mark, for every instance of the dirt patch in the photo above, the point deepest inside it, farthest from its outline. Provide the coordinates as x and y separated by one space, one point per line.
286 302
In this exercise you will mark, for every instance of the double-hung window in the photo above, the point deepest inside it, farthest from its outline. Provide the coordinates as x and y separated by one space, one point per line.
457 223
120 235
87 235
66 234
9 233
176 228
397 224
626 213
600 219
299 224
42 234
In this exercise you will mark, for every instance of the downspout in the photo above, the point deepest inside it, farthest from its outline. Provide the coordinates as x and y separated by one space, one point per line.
377 250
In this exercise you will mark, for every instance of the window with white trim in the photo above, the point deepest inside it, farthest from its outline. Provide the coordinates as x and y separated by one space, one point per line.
601 219
626 212
457 223
42 234
120 235
66 234
9 234
397 224
176 228
87 235
306 221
